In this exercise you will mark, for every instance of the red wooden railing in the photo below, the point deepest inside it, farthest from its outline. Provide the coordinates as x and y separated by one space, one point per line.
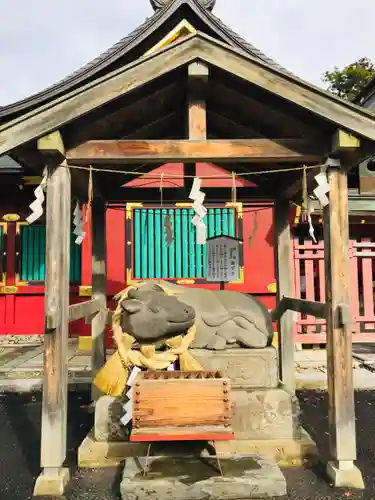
309 285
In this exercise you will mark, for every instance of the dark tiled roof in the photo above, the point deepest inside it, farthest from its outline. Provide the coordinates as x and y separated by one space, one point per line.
366 93
8 165
128 43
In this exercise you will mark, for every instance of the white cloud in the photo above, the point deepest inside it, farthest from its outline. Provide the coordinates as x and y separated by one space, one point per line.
43 41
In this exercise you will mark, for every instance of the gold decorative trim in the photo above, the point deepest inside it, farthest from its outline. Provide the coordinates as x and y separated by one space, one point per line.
11 217
4 225
9 290
275 340
84 343
130 207
85 291
129 277
3 275
32 180
272 287
238 206
18 280
297 217
183 28
182 205
185 282
18 226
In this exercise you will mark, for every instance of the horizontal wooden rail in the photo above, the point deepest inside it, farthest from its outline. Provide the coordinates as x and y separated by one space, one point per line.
317 309
84 309
108 320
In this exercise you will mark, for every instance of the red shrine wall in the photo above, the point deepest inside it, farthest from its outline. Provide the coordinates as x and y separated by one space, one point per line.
257 248
22 301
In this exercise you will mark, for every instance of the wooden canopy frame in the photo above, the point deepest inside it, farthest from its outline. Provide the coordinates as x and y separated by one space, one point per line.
44 136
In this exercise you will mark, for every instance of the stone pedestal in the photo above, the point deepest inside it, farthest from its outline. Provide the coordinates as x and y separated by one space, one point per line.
108 411
265 417
247 368
51 482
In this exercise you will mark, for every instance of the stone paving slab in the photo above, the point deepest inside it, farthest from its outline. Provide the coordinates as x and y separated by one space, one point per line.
317 379
189 478
9 354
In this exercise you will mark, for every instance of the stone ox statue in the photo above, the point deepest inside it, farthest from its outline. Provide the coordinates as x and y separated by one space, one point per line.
157 310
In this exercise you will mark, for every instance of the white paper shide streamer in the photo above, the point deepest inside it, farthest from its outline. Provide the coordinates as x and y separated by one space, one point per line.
321 191
323 187
128 406
78 225
36 206
310 210
200 211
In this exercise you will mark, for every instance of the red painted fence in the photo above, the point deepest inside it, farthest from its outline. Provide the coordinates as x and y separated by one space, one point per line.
309 285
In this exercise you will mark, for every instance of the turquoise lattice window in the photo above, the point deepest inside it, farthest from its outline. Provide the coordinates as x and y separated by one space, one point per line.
183 258
33 255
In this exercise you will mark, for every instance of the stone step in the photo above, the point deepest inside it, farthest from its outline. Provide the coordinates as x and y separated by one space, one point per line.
197 478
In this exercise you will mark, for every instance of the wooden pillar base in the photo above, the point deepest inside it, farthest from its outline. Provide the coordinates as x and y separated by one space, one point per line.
345 474
52 482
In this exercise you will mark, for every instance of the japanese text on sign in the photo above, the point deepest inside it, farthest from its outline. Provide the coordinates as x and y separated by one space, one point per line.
223 259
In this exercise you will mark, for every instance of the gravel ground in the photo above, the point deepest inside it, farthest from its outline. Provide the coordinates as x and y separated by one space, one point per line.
20 441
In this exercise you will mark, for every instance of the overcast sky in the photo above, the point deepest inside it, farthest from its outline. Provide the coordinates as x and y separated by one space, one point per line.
42 41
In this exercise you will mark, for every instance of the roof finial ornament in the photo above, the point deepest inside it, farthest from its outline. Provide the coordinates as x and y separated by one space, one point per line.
159 4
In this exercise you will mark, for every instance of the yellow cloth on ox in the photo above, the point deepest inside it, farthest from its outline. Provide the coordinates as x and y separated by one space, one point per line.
112 378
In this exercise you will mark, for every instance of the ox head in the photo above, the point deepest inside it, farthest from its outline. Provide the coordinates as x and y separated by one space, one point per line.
150 314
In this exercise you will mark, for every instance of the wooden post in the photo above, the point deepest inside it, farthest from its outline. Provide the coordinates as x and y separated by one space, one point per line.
284 280
196 113
341 415
99 289
55 385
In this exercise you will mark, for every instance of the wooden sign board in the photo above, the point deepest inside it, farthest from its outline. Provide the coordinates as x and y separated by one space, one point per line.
174 405
223 259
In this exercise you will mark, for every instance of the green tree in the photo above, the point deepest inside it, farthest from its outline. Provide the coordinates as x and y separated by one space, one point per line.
351 80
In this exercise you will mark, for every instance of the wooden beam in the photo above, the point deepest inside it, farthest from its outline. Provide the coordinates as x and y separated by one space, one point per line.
52 146
341 414
196 113
236 150
197 120
343 142
55 384
344 146
84 309
316 309
198 71
284 280
99 289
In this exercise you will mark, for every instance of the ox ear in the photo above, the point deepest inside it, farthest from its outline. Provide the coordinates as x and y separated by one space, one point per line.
131 306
